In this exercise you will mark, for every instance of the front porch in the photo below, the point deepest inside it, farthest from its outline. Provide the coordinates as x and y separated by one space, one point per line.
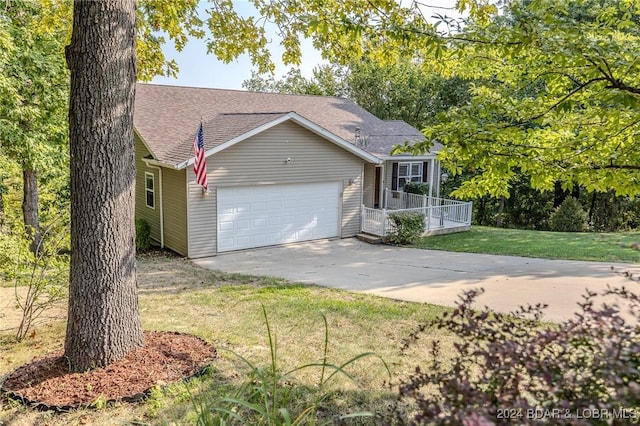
441 215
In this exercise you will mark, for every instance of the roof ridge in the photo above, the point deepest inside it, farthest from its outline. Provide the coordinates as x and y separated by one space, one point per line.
244 91
258 113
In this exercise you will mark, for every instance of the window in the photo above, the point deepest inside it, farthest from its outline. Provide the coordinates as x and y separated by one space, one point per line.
408 172
149 188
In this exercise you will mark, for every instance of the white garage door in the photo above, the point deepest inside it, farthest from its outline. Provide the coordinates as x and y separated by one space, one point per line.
267 215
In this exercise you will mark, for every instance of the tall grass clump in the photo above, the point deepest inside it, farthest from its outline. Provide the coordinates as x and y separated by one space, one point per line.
270 395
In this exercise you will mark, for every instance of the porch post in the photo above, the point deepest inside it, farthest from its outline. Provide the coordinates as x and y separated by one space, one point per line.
384 222
382 185
431 183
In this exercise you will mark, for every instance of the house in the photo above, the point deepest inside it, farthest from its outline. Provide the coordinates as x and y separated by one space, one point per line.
281 168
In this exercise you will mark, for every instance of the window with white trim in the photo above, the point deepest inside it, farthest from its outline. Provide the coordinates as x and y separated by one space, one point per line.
409 172
149 188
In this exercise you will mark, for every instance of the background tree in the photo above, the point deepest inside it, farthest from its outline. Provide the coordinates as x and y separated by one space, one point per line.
404 90
33 103
327 80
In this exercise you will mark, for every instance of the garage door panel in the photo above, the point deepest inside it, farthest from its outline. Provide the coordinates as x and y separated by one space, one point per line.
276 214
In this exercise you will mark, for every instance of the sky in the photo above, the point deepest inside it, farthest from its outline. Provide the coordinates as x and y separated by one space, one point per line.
199 69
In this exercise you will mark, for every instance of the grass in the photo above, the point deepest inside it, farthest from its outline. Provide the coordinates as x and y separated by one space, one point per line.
226 309
592 246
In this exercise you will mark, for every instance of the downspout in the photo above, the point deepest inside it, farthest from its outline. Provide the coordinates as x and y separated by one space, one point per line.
362 183
159 202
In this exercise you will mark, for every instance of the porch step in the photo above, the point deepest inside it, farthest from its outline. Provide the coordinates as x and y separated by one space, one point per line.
369 238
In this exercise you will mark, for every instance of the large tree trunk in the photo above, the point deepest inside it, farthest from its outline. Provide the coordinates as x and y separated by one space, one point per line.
30 208
104 320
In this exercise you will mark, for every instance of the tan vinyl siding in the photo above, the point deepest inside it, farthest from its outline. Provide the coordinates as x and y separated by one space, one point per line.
368 188
351 207
261 160
201 213
142 211
174 191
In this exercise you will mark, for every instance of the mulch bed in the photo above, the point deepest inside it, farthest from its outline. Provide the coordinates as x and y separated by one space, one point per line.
46 383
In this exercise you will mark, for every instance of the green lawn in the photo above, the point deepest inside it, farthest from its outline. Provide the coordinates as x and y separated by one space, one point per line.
601 247
226 310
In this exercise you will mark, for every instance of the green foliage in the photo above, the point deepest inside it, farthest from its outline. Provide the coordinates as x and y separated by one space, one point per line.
266 398
143 235
587 364
524 208
33 90
569 217
403 90
607 212
327 81
158 21
420 188
408 226
554 95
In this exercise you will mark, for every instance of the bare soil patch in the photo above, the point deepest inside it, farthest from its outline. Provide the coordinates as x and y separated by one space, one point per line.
165 358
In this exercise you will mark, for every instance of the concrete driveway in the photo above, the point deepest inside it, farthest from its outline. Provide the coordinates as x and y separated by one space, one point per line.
430 276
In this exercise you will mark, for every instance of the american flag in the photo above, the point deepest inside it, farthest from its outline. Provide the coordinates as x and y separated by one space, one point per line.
200 163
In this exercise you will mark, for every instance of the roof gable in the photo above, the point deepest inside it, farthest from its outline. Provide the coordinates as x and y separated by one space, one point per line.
236 121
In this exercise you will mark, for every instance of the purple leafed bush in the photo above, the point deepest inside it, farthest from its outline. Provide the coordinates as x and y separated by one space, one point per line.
512 369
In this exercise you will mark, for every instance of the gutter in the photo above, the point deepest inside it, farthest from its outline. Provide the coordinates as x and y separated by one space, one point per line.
151 162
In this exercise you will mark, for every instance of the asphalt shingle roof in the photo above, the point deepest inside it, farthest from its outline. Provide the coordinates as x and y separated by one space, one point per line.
167 118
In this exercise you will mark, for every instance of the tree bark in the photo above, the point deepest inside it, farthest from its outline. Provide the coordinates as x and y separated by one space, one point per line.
2 228
500 211
104 321
30 208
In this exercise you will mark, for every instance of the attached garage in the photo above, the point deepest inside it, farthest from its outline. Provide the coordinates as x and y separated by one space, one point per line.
265 215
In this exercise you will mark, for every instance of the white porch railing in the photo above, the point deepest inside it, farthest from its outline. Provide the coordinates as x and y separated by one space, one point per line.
440 213
396 200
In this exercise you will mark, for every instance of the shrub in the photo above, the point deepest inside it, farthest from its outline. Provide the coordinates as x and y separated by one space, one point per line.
569 217
421 188
511 369
407 227
143 235
42 276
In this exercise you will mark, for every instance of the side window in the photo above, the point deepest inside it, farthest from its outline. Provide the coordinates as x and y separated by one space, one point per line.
149 187
407 172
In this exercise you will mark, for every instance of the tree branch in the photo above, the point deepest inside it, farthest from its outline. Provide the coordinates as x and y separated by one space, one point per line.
555 105
620 85
616 166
